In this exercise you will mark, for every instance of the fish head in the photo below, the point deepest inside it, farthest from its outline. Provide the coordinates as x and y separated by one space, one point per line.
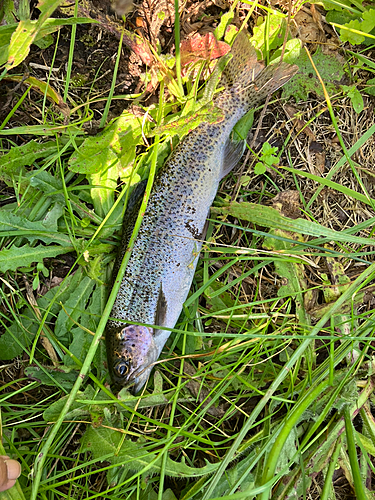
133 354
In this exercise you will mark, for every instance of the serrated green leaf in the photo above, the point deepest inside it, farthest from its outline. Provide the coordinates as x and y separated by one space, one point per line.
367 443
341 16
134 456
15 257
21 156
74 306
365 25
25 327
17 225
271 218
77 410
53 187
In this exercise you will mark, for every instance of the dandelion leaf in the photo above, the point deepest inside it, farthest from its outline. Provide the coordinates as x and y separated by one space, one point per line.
103 442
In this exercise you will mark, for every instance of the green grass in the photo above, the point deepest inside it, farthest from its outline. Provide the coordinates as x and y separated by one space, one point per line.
268 373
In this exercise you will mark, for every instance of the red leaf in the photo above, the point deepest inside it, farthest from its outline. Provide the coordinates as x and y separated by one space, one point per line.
202 47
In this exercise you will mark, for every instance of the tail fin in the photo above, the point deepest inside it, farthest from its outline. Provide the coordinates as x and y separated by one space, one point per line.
244 59
249 78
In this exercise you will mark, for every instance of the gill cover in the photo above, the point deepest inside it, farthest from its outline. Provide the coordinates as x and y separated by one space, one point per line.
135 350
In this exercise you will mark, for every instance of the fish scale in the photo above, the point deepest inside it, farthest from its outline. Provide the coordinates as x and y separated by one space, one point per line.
161 268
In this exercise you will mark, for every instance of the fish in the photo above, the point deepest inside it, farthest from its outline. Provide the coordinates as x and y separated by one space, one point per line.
162 264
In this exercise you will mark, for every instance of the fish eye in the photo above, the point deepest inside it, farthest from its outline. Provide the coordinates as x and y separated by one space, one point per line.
122 368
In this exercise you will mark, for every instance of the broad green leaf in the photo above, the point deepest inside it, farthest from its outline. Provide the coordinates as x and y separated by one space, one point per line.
20 42
370 87
305 81
243 126
103 197
18 336
134 456
50 26
52 216
339 5
224 21
341 16
260 168
271 30
74 307
271 218
24 256
292 52
182 126
355 96
115 146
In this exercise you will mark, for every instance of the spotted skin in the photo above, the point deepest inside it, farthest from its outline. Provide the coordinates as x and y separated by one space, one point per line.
165 254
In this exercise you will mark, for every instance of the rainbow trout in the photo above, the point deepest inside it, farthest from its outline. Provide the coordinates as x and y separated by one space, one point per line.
161 268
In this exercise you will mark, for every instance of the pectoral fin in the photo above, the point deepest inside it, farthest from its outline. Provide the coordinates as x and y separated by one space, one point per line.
161 308
232 155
